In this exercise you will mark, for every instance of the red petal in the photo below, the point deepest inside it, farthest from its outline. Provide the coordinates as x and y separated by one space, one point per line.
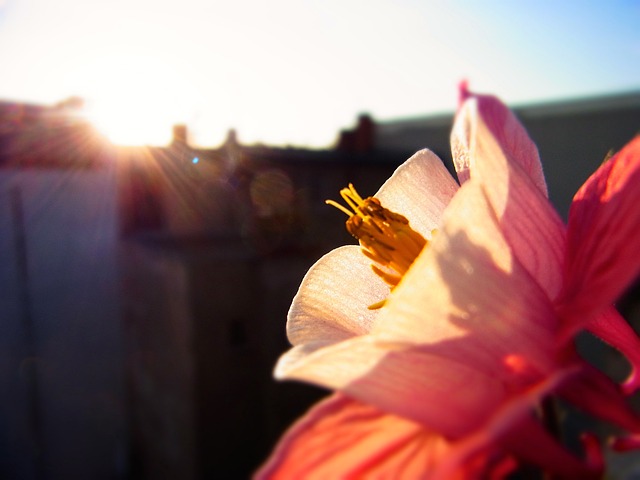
592 450
626 444
344 438
594 393
529 441
614 330
513 429
463 92
603 236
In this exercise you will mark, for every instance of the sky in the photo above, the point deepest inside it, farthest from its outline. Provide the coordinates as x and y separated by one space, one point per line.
295 72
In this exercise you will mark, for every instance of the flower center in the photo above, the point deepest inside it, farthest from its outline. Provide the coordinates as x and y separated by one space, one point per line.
385 236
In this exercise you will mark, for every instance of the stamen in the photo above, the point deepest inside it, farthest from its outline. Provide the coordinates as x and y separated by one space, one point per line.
385 236
339 207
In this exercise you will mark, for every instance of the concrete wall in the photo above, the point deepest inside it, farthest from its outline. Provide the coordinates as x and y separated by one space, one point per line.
204 326
61 383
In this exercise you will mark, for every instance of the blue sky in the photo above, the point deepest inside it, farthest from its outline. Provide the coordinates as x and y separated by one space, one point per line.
296 71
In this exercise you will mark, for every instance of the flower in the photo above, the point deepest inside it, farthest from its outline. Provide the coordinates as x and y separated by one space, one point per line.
443 379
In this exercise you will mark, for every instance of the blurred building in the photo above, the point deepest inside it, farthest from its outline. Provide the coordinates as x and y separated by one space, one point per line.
211 246
215 243
55 136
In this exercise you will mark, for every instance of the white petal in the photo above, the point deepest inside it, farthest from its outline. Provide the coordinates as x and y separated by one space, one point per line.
461 142
331 303
420 189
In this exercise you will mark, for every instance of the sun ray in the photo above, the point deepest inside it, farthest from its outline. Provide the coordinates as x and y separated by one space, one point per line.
136 99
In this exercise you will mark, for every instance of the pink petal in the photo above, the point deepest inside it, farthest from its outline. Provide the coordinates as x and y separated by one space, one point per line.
468 285
504 126
420 189
616 331
344 438
402 380
533 229
331 303
603 237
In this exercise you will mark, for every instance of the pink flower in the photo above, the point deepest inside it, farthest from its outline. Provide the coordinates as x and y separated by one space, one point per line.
444 379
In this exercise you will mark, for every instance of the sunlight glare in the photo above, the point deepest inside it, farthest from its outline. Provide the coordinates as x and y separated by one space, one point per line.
137 100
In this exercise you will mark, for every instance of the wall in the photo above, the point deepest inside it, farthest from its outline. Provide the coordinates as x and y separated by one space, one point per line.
60 328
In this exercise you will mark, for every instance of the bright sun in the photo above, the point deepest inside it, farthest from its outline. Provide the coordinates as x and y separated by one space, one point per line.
136 100
131 120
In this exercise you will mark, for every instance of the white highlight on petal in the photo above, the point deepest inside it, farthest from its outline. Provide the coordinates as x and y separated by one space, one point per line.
332 302
420 189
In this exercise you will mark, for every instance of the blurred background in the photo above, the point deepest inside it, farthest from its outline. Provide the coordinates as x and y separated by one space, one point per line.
163 171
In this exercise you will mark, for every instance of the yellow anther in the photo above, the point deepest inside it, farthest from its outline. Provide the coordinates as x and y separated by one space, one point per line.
385 236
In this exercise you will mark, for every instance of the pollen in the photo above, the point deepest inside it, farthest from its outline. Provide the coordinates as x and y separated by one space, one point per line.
385 236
